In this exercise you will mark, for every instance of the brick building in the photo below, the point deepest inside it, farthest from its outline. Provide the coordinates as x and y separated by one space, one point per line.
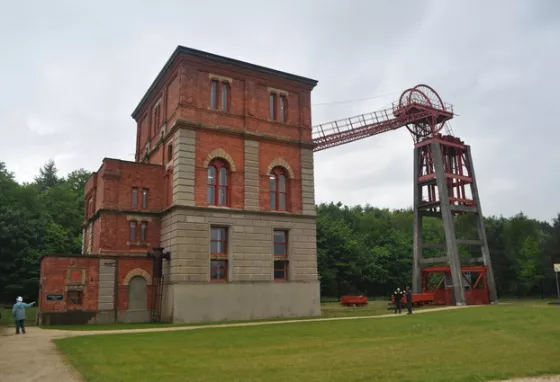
223 181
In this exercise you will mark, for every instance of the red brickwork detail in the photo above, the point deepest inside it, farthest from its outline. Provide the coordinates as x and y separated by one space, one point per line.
54 281
125 266
206 142
173 95
291 154
114 234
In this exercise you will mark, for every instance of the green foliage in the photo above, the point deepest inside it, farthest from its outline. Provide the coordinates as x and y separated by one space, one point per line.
361 249
369 250
35 219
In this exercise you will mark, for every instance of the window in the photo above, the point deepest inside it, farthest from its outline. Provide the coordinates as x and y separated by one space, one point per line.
132 232
225 96
89 208
280 243
217 192
169 152
281 255
143 231
219 95
218 270
74 297
218 241
157 117
282 109
134 198
218 253
278 107
214 94
145 198
281 270
272 106
278 187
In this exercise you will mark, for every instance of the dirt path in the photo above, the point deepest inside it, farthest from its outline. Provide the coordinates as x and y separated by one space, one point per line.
33 357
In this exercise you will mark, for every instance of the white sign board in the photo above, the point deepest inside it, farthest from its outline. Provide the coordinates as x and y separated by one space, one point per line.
556 267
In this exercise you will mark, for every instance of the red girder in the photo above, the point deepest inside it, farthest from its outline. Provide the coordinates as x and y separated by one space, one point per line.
420 109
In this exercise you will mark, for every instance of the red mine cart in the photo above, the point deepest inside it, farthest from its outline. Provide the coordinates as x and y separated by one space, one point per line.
354 301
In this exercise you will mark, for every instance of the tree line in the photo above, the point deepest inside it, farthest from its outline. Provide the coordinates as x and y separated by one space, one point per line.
360 249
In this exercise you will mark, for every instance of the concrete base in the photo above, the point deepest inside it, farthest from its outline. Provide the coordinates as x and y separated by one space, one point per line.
212 302
134 316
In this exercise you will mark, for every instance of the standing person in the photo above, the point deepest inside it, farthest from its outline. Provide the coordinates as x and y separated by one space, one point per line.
409 299
397 295
18 314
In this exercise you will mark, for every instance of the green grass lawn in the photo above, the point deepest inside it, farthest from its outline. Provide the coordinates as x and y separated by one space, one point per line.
329 309
6 318
474 344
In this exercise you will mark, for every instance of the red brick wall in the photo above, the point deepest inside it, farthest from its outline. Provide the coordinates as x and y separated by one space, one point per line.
267 153
118 189
235 147
173 91
114 234
54 281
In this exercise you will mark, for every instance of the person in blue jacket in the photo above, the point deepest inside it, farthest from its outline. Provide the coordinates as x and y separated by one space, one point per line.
18 314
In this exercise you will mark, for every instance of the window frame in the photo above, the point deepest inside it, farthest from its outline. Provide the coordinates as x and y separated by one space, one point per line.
214 189
278 107
134 198
220 257
145 196
281 258
217 101
157 117
169 152
214 98
274 195
132 227
285 269
272 106
282 109
143 231
69 298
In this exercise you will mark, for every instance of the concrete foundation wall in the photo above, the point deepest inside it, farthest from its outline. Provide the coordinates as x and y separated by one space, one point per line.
186 234
244 301
251 291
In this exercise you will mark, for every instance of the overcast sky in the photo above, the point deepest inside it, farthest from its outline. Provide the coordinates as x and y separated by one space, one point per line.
73 71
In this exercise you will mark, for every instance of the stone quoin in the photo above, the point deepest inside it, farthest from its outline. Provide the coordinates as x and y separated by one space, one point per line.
222 187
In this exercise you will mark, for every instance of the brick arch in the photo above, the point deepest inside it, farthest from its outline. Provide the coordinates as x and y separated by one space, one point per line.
220 153
138 272
282 163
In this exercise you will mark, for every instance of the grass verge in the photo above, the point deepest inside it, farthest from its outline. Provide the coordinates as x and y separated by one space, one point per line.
329 309
478 344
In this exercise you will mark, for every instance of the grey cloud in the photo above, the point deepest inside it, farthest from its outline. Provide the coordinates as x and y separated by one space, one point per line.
74 71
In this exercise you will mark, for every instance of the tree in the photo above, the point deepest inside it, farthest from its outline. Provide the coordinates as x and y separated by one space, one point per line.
48 176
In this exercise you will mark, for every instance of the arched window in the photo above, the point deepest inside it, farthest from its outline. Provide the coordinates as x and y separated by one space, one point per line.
278 189
217 193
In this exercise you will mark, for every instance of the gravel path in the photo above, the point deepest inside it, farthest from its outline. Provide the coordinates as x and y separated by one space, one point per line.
33 357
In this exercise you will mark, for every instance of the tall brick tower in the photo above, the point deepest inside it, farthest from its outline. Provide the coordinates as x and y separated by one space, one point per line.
238 216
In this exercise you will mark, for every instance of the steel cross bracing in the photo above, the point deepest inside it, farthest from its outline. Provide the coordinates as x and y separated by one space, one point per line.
444 180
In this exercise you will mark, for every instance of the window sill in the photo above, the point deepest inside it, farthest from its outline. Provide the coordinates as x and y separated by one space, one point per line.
138 243
218 207
218 281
